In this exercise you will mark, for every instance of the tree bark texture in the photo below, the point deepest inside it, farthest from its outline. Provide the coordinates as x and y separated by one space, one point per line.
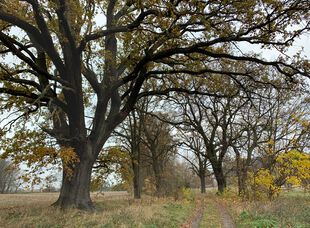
75 189
202 183
136 180
220 178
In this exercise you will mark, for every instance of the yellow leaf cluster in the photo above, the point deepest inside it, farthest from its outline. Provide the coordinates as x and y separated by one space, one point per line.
263 184
294 166
69 159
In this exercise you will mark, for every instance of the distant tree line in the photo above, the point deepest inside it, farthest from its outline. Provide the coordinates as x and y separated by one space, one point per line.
8 177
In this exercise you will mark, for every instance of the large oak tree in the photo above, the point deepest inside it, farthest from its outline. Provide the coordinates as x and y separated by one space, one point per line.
73 59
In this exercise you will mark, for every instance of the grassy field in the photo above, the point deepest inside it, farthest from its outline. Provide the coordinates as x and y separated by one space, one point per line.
114 210
291 209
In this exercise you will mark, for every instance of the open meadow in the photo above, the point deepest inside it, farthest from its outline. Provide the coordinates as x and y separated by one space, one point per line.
118 209
192 113
290 209
113 210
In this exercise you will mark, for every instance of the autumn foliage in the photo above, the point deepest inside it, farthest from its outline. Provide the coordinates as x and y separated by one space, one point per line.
290 169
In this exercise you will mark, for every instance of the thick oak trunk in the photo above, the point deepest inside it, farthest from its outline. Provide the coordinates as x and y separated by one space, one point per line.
218 173
202 183
158 185
157 170
242 173
75 190
158 178
220 178
239 175
136 180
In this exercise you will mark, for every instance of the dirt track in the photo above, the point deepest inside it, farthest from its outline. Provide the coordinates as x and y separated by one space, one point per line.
226 219
198 215
224 216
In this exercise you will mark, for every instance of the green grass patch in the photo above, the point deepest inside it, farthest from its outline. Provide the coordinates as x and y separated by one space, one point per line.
211 216
111 212
289 210
249 220
172 215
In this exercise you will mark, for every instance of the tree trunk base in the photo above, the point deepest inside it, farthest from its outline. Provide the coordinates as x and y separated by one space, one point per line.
75 189
86 205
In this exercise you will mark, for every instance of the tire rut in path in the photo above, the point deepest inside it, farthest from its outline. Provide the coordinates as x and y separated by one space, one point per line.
226 219
196 216
196 221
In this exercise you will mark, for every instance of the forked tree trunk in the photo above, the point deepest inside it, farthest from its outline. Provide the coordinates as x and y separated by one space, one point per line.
75 190
220 178
219 174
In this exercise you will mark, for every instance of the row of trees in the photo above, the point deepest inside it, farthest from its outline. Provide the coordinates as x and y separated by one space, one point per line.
252 132
231 136
72 71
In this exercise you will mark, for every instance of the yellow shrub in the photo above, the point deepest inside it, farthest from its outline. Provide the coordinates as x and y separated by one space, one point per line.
291 168
294 167
187 194
263 184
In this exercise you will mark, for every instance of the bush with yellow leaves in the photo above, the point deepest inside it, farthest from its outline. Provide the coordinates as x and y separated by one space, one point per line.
291 168
263 184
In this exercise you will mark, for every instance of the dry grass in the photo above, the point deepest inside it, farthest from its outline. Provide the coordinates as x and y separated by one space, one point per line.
114 210
291 209
24 200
